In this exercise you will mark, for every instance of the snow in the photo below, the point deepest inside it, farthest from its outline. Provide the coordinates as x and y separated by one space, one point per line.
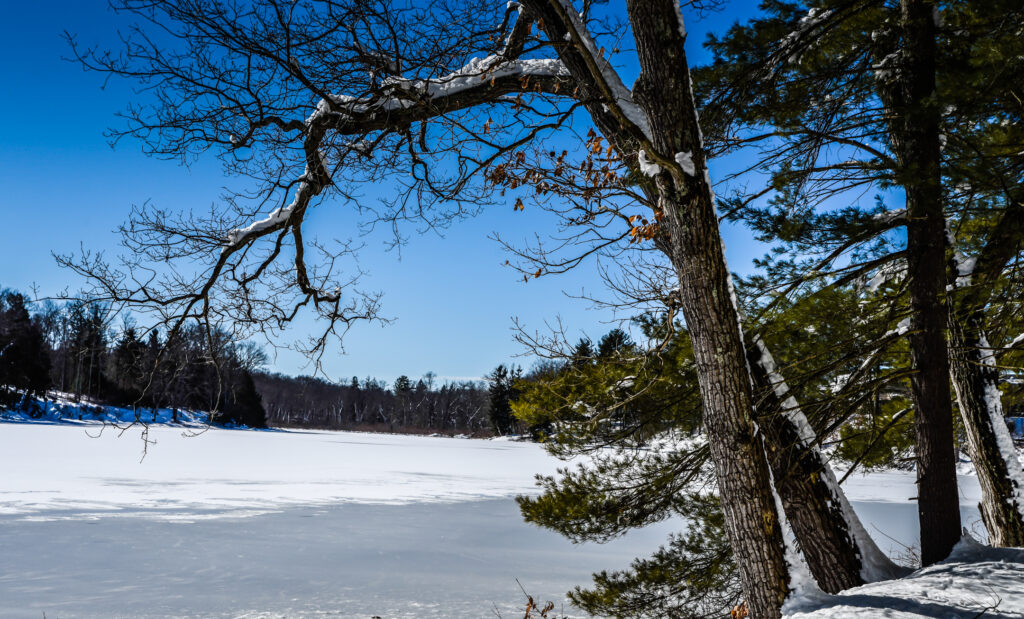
470 75
891 270
892 215
964 269
886 67
902 328
679 16
685 161
647 166
421 560
246 523
52 469
975 581
60 407
279 216
809 21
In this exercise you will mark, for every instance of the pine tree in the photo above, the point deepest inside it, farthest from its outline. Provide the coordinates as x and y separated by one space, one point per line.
125 367
24 358
503 392
861 95
244 405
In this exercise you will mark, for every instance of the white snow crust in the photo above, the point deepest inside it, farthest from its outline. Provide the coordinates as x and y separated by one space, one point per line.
975 581
647 166
51 470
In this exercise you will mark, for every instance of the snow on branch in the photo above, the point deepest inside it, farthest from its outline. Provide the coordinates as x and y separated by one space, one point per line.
621 97
403 93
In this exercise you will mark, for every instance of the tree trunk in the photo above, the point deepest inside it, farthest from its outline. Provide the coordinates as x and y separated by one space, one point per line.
739 458
918 149
976 382
814 512
689 236
992 452
693 241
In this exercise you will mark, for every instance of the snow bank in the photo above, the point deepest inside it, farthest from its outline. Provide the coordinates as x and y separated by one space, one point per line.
976 581
67 409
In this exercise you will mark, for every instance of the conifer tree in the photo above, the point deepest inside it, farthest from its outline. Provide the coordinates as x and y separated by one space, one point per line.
868 94
24 358
503 392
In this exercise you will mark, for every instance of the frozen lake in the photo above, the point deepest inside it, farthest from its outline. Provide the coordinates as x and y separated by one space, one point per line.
306 524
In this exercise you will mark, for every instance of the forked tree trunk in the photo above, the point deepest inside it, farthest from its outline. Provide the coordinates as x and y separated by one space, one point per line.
916 141
995 459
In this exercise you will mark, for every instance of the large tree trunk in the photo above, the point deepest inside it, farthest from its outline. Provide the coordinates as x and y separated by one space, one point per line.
690 237
738 454
839 552
999 472
693 242
918 149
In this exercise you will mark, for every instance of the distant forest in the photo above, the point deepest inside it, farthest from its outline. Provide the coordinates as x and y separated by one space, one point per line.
76 348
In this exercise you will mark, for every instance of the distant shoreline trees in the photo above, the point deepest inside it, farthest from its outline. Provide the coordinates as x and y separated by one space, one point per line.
75 349
413 408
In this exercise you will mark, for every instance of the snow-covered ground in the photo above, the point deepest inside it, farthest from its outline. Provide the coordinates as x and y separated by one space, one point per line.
975 581
235 523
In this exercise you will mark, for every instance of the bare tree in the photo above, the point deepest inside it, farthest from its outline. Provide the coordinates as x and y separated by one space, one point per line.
454 104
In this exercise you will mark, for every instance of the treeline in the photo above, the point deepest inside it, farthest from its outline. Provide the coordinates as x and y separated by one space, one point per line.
420 406
75 349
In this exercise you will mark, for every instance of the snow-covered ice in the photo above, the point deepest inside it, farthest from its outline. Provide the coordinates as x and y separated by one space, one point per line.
60 470
236 523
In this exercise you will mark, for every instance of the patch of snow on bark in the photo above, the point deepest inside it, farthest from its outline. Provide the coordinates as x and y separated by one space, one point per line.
647 166
685 161
679 16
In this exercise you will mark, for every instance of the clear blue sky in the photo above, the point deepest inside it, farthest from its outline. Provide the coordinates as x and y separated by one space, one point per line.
64 187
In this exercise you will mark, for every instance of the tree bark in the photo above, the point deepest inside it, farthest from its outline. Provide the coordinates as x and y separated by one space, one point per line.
999 472
976 384
690 238
814 512
919 153
693 241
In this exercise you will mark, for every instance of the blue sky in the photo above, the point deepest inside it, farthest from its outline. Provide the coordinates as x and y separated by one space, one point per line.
64 187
